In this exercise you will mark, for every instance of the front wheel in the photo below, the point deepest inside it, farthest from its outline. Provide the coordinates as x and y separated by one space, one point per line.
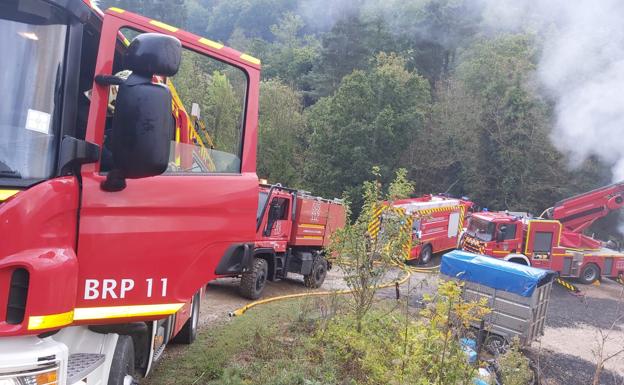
253 282
122 367
317 276
425 255
589 274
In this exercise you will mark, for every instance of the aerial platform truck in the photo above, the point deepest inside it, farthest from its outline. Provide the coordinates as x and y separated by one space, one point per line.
112 221
554 241
293 228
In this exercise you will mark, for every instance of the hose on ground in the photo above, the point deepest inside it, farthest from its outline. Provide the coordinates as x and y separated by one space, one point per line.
408 270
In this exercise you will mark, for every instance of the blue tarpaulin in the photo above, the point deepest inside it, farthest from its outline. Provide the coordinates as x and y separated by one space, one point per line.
494 273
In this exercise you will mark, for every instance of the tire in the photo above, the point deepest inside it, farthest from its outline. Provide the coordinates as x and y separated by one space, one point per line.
253 282
315 279
425 255
122 367
589 274
188 333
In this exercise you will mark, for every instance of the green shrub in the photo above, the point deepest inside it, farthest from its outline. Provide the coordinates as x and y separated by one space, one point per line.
514 367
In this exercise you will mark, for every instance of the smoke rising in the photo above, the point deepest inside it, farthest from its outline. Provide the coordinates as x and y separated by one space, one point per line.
581 67
582 70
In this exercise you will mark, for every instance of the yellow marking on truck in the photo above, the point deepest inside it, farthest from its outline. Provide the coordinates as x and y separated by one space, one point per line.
6 194
311 237
50 321
312 226
89 313
505 252
115 9
210 43
164 26
250 59
526 244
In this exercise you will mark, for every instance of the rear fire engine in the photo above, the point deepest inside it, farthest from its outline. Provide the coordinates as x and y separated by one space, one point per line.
438 221
555 241
293 228
113 220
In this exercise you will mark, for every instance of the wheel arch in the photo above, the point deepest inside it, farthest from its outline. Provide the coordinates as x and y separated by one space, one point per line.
516 258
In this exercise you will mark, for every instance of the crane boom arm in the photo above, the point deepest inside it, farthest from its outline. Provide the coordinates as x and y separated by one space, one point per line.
577 213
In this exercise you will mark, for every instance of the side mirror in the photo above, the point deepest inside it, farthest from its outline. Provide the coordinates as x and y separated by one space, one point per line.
143 123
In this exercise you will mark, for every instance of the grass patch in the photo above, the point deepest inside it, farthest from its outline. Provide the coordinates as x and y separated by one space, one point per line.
315 341
271 344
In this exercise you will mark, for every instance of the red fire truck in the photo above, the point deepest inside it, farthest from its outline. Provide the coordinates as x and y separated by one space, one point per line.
438 222
292 230
554 241
111 222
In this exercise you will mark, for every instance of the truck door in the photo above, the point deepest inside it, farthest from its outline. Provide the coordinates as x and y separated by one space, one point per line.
279 220
146 249
508 243
542 238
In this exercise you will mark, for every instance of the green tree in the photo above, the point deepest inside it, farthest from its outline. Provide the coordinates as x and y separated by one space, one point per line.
489 133
348 46
291 57
281 134
368 121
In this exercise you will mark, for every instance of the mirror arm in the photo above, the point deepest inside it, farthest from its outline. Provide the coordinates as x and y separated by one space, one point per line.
76 152
115 181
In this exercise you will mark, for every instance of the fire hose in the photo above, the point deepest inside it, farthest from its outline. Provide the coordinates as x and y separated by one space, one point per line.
406 269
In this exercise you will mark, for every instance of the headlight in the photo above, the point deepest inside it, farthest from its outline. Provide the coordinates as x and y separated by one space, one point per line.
48 376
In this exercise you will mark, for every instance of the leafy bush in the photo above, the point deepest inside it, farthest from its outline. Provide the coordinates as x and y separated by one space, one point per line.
514 367
391 349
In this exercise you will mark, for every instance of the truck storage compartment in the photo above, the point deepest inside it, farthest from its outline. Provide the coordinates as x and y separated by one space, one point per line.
315 220
301 262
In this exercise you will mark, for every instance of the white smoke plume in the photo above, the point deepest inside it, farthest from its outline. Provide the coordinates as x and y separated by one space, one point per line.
581 67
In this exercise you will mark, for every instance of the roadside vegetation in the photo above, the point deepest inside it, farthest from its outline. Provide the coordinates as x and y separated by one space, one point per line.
354 339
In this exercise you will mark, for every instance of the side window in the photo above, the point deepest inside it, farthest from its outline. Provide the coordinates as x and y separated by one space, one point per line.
262 198
542 242
509 232
208 108
281 211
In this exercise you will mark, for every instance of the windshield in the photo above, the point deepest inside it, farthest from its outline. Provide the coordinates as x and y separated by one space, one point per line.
33 47
481 229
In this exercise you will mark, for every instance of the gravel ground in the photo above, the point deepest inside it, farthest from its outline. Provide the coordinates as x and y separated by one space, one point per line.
565 353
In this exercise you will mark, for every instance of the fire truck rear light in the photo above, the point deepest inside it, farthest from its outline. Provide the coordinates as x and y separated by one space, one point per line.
18 292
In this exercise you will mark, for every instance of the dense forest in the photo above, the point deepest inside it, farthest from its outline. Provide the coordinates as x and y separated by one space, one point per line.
424 85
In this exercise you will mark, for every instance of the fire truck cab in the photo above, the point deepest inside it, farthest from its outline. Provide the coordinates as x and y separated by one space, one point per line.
539 243
111 223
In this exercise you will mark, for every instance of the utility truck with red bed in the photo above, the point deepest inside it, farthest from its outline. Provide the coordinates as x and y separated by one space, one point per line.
118 202
292 230
437 223
554 241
